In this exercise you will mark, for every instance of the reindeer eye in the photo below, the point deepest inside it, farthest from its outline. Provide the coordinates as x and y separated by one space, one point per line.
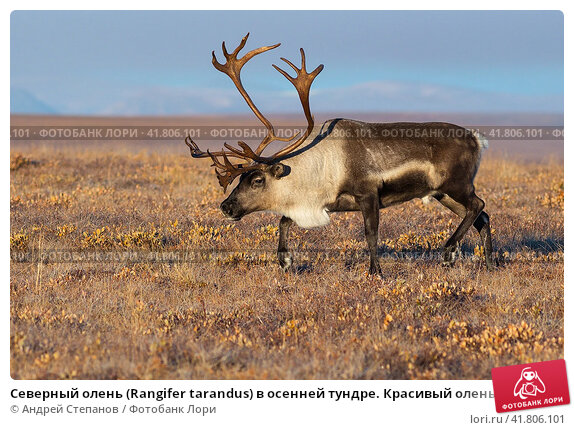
257 181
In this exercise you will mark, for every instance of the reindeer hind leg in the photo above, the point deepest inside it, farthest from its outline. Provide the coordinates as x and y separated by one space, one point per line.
469 209
482 225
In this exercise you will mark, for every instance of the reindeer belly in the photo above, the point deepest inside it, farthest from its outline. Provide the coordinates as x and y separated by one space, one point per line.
407 186
344 203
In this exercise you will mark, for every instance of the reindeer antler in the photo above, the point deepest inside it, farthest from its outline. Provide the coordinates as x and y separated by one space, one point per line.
227 171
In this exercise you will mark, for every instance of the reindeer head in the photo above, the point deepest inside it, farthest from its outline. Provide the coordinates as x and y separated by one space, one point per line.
256 171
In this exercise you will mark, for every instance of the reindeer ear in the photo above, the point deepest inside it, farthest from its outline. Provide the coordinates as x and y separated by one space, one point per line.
279 170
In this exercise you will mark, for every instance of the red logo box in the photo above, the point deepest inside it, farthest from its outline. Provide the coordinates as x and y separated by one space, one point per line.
529 386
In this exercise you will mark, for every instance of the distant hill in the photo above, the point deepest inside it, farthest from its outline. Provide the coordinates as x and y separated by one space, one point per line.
22 101
170 101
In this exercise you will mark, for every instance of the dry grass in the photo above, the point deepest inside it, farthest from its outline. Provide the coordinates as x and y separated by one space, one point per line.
233 314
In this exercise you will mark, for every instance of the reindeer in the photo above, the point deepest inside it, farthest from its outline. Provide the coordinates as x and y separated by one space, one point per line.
348 165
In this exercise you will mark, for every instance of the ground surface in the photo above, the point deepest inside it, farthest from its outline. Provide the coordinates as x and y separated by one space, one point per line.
224 310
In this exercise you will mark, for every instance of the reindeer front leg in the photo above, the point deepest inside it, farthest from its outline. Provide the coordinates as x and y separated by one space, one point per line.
369 205
285 257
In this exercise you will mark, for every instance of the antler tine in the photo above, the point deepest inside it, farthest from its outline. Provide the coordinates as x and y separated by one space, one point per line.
191 144
239 47
232 69
226 171
233 65
194 149
197 153
247 152
302 83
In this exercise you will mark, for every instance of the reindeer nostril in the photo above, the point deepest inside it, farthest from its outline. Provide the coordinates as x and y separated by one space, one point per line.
226 208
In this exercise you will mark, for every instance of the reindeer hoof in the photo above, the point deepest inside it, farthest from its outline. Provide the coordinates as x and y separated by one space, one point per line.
491 265
375 270
285 260
449 256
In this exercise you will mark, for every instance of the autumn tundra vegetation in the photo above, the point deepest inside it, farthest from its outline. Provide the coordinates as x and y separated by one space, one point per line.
122 266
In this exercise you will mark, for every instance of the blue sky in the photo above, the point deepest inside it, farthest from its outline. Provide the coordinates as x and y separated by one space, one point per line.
159 63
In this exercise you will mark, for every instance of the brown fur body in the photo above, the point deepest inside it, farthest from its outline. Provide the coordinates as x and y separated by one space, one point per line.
355 166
